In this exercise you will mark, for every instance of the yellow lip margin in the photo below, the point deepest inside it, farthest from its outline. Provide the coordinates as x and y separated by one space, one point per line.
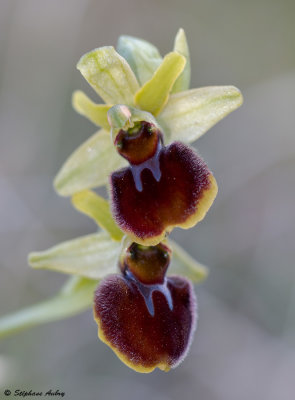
136 367
203 205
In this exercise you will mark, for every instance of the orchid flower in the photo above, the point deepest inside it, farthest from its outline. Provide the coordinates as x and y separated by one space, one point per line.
136 279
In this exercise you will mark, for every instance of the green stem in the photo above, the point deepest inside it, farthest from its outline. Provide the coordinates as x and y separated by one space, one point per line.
75 297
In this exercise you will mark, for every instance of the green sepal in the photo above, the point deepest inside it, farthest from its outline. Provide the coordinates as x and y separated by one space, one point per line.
89 166
142 56
188 115
184 264
109 74
93 256
181 46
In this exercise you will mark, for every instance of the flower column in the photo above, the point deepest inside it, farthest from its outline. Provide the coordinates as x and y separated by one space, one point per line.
156 182
147 321
145 317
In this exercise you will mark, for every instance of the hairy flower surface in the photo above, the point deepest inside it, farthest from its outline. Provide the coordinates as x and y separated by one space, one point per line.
163 187
146 318
144 306
137 76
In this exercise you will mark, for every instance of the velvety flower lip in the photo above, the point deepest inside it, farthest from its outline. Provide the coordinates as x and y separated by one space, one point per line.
96 255
148 325
137 75
173 188
147 291
144 311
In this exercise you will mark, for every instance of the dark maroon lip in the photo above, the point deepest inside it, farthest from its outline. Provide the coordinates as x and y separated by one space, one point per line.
145 316
149 325
168 199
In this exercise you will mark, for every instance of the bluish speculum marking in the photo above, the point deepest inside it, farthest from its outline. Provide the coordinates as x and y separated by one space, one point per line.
152 164
147 292
141 145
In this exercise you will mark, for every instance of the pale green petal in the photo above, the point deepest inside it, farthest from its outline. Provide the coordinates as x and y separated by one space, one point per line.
92 256
183 264
89 166
96 113
142 56
76 297
154 94
110 75
97 208
188 115
181 46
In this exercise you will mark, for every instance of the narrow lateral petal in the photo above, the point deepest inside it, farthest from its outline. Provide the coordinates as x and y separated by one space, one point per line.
142 56
76 297
92 256
188 115
153 95
182 263
141 340
180 198
97 208
181 46
96 113
110 75
89 166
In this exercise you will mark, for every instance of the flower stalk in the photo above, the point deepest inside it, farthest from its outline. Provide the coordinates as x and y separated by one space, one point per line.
136 278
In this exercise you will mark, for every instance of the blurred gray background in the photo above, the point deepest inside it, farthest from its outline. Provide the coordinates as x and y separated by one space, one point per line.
245 346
